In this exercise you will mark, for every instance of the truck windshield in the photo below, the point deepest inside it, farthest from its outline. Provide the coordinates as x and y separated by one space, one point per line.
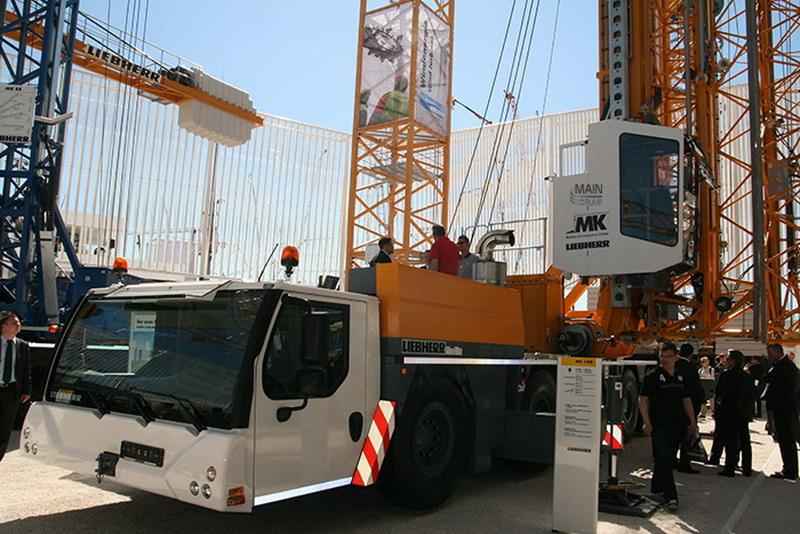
176 360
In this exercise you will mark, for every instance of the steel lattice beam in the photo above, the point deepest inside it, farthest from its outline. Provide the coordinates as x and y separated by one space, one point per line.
40 53
399 168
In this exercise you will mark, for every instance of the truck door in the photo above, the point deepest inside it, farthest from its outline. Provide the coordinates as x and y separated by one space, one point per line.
318 446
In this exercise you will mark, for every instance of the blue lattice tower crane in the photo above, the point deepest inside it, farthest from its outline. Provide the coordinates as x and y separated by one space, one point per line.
37 49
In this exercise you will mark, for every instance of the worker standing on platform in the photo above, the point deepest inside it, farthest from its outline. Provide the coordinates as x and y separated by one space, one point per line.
666 407
781 395
444 254
468 259
384 255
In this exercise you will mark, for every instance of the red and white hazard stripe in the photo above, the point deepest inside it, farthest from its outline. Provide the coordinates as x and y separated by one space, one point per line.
612 437
376 444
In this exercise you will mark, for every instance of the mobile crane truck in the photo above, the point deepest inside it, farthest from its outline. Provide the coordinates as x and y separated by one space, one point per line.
229 394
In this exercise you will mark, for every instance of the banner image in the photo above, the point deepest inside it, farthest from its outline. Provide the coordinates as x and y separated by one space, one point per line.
385 65
433 72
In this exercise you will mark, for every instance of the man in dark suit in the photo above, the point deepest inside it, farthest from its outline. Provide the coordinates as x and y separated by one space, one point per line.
15 376
733 411
783 381
384 255
718 445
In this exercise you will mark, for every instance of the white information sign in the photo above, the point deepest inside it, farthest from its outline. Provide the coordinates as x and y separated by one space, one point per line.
142 342
577 442
17 105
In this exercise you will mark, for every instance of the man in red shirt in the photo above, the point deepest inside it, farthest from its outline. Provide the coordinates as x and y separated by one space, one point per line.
444 254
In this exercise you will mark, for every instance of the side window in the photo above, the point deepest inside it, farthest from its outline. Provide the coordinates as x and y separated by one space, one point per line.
285 374
649 169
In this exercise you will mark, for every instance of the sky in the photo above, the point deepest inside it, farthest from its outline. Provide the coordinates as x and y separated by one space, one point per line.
297 59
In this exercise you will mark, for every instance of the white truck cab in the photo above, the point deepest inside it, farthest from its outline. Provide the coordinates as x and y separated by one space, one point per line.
201 392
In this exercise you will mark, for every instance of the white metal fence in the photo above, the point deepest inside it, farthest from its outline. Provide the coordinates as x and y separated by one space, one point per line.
518 199
136 185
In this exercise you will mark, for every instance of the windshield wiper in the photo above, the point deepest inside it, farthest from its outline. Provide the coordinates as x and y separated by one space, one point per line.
101 405
139 402
191 411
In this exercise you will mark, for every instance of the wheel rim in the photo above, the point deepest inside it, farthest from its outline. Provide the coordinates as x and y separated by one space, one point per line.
433 439
542 402
627 405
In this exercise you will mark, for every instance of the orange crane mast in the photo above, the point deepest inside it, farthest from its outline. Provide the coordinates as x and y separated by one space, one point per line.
400 162
667 62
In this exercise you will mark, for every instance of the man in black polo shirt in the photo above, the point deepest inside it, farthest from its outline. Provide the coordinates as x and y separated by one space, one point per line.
666 407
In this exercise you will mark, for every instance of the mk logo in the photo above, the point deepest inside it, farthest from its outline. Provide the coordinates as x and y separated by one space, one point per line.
589 223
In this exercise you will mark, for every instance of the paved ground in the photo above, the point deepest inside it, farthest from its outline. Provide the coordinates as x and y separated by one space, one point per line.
34 498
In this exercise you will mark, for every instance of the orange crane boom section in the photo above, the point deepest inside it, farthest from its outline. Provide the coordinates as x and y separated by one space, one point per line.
152 83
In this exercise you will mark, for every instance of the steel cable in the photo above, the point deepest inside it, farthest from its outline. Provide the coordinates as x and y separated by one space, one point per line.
485 112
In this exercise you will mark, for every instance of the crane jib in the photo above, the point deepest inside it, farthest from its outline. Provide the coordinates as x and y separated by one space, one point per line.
123 64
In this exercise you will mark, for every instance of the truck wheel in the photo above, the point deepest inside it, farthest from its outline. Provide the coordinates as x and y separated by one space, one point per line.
630 404
540 396
427 453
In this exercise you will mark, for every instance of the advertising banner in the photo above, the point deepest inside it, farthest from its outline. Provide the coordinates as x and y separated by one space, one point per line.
385 65
17 105
433 72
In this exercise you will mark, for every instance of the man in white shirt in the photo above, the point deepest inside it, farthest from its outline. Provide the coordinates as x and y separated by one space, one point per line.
15 376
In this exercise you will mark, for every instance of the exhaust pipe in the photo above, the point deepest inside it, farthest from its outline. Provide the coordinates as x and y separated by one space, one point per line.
492 239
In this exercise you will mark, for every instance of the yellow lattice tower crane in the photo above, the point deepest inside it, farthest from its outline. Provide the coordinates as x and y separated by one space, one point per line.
401 143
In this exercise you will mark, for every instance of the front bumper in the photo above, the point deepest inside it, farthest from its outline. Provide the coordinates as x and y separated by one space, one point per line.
73 437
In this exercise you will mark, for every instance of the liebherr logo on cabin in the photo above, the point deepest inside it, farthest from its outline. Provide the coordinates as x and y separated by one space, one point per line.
594 223
586 194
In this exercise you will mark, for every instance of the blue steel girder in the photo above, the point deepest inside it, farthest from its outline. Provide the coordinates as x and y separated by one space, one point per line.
36 48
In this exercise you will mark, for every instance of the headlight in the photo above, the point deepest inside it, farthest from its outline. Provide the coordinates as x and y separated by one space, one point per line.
34 448
206 491
26 433
194 487
27 447
211 474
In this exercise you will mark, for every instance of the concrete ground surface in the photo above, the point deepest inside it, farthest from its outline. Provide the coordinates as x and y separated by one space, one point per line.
36 498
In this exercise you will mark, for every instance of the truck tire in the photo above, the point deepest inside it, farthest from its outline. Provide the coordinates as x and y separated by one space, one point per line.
630 404
540 396
427 452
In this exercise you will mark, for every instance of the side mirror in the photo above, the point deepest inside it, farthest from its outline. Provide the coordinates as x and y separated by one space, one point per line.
316 333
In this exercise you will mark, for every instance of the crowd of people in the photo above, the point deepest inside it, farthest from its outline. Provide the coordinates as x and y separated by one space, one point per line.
684 389
444 256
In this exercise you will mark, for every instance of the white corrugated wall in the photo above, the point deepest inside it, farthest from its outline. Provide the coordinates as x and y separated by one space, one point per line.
521 202
136 185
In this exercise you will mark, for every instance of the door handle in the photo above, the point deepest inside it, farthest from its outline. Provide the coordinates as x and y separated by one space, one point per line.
356 425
